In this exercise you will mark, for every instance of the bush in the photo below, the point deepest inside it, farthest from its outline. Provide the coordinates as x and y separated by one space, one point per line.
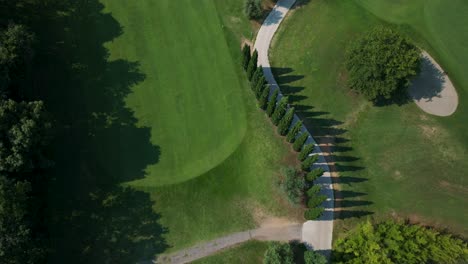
272 102
312 257
293 185
280 110
314 174
308 162
306 150
253 9
381 64
313 213
297 146
316 200
278 253
285 122
291 136
246 56
263 100
391 242
314 190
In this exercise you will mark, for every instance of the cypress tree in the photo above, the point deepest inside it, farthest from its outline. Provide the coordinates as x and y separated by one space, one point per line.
272 102
246 56
308 162
252 65
280 110
314 213
285 122
314 174
263 101
314 190
261 83
291 136
256 76
315 201
297 146
306 151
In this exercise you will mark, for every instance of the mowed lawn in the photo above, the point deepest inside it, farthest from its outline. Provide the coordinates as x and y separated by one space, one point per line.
392 160
219 156
191 97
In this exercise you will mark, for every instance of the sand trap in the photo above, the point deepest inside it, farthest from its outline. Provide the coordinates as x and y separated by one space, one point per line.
432 90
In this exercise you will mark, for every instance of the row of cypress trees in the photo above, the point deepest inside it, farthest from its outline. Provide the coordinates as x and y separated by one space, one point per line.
282 115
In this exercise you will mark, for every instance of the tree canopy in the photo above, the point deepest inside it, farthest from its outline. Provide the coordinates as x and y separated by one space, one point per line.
381 64
391 242
24 131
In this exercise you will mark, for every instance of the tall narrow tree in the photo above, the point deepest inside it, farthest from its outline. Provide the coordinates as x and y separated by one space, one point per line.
246 56
285 122
297 146
308 162
306 150
263 100
261 84
280 110
252 65
256 76
272 102
291 136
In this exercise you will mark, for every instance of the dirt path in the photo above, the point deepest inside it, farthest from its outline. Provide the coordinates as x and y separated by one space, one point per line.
432 90
318 233
276 229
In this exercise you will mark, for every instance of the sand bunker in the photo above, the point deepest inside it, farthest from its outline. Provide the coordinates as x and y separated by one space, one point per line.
432 89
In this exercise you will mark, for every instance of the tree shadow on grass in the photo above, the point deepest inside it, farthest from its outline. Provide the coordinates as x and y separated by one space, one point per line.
98 145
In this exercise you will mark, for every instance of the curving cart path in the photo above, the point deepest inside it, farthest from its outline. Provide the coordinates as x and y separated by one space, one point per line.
316 234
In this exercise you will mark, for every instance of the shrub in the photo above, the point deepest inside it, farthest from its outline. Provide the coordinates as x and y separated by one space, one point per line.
391 242
246 56
285 122
306 150
316 200
312 257
314 190
315 174
256 77
291 136
381 64
272 102
263 101
278 253
313 213
308 162
253 9
297 146
293 185
280 110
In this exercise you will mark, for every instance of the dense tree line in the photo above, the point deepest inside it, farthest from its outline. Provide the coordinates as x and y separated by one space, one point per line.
291 253
294 182
24 134
391 242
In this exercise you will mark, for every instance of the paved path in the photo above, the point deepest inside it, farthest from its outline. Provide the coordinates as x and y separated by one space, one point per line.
318 233
432 90
277 232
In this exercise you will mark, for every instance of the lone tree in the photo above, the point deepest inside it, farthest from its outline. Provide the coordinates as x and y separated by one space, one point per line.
246 56
381 64
253 9
272 103
285 122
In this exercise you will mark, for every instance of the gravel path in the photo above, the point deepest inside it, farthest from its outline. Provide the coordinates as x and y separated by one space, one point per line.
432 90
284 231
318 233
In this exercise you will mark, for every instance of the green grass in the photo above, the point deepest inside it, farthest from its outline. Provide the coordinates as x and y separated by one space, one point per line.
393 160
248 253
219 155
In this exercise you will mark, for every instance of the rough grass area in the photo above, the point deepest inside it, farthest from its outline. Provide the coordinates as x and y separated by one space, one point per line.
392 160
247 253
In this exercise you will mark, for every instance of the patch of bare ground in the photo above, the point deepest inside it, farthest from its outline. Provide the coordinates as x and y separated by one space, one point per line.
453 188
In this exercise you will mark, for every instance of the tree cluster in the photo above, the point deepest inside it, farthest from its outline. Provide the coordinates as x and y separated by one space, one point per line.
381 64
392 242
253 9
24 134
289 253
